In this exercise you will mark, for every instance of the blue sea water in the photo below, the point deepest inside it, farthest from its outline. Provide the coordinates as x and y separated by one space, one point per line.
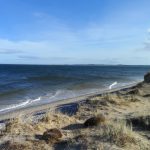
24 85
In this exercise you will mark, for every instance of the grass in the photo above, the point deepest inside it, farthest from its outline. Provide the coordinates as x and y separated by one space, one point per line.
118 133
111 134
113 99
114 133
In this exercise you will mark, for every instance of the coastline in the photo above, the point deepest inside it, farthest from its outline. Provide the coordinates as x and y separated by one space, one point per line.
111 119
51 106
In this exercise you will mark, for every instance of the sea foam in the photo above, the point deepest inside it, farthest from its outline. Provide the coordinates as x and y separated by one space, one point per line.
20 105
113 84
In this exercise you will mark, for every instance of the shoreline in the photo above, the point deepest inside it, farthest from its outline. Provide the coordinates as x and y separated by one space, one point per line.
51 106
118 118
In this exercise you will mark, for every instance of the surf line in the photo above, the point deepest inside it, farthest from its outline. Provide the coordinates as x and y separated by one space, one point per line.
110 87
20 105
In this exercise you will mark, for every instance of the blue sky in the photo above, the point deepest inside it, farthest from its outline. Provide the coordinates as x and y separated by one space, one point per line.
75 32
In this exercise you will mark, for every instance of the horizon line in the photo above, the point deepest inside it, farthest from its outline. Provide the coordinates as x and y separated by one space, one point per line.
78 64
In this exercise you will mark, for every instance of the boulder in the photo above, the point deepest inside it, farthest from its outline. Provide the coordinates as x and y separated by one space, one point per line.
52 135
147 78
95 121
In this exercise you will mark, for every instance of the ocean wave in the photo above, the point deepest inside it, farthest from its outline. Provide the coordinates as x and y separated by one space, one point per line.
35 100
113 84
11 91
59 95
20 105
50 96
49 78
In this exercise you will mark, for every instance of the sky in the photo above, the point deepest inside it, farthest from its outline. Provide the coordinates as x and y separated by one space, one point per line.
75 32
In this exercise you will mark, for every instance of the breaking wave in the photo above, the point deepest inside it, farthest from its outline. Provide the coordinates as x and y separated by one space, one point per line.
113 84
20 105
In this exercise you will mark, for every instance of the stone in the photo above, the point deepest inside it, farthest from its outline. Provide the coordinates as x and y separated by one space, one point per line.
95 121
52 135
147 77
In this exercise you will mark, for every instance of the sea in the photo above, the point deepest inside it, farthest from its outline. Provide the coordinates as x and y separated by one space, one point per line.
30 85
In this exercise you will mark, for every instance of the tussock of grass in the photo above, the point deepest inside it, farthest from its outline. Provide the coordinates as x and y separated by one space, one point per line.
49 120
118 133
17 127
112 98
107 99
121 135
112 133
54 120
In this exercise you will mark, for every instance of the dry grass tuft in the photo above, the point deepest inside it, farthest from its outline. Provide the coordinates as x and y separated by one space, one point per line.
17 127
112 98
54 120
119 134
112 133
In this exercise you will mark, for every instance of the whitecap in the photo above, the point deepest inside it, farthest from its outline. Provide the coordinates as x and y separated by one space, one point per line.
20 105
113 84
15 106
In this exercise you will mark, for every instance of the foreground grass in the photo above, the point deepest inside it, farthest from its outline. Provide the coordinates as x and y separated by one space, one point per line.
114 134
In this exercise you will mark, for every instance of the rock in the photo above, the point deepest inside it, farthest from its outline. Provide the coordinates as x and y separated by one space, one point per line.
52 135
95 121
68 109
147 77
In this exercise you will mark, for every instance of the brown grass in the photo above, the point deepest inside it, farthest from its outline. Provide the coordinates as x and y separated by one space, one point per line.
112 133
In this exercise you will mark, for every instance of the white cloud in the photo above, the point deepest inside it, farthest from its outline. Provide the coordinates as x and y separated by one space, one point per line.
147 42
56 41
31 47
9 51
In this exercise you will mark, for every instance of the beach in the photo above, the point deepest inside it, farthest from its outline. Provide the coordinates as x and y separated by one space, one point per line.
125 123
52 106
